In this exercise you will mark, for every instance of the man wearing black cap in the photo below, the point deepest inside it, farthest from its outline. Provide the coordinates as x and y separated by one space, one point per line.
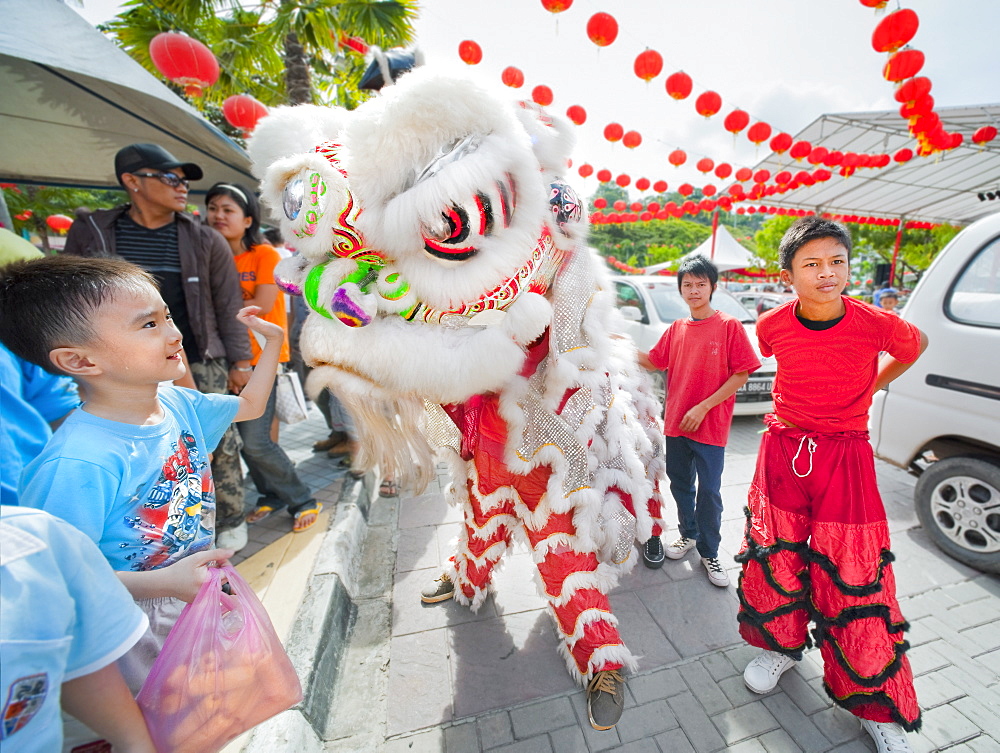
198 281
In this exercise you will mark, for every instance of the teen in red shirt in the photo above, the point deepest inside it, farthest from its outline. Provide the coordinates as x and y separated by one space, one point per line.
817 542
707 358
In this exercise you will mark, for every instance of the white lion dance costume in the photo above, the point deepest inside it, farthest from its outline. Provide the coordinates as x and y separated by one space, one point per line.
456 309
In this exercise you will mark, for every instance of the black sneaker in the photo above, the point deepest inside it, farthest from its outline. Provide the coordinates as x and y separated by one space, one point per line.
439 589
605 699
652 553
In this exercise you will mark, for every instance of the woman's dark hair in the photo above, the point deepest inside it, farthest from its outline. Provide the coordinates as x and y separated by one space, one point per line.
246 200
807 229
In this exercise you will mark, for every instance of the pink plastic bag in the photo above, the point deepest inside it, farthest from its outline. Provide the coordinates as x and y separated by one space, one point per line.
222 671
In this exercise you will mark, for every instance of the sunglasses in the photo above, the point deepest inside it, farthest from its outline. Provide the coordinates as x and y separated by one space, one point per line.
167 178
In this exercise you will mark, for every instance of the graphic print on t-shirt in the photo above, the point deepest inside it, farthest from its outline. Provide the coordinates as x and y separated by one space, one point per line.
178 514
25 697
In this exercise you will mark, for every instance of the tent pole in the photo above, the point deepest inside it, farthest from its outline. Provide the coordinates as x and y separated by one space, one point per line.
895 251
715 227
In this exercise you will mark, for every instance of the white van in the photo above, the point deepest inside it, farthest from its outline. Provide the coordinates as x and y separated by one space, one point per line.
941 419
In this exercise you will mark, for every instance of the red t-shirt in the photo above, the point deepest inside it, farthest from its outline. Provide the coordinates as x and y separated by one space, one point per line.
825 378
699 356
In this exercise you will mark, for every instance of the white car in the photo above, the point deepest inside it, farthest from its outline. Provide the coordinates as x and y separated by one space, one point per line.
650 303
941 419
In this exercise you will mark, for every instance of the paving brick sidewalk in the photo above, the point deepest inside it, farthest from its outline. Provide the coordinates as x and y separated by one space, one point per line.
447 679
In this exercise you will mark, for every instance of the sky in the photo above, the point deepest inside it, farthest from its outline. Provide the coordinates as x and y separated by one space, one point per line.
786 62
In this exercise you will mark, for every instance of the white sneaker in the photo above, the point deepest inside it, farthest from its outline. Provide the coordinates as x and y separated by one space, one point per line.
232 538
679 548
889 737
717 574
761 675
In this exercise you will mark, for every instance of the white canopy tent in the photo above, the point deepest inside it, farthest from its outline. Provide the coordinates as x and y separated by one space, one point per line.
728 255
70 99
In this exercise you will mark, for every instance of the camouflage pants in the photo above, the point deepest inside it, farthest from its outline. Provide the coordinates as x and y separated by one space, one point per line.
211 377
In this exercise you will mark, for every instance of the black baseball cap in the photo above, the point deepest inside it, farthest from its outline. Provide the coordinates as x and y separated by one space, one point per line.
151 156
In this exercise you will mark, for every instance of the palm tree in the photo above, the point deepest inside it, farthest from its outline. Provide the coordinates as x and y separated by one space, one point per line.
280 51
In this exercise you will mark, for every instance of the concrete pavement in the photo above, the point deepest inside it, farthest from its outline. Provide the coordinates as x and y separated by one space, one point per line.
417 677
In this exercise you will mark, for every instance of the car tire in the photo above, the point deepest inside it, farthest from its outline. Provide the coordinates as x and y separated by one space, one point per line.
958 503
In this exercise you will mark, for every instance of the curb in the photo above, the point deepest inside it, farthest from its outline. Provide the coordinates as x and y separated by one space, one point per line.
322 624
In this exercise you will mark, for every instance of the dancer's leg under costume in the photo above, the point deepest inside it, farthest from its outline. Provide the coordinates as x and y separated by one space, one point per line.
817 548
499 502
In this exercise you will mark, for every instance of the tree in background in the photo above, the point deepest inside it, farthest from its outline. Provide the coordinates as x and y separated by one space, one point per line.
29 206
279 51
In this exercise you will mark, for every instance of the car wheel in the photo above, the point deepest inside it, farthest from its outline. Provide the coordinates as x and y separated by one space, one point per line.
958 503
658 386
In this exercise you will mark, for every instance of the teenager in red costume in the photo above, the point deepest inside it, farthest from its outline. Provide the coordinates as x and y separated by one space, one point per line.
817 540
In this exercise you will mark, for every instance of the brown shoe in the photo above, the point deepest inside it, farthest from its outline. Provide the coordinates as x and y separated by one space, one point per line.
439 589
347 447
335 438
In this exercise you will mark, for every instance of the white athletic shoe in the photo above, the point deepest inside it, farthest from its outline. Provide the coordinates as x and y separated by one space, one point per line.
889 737
232 538
717 574
761 675
680 547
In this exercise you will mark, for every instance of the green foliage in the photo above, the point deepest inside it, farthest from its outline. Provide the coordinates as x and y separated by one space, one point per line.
248 41
642 244
40 202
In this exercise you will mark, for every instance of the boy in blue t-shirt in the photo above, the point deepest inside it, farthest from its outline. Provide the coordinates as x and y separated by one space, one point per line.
130 467
66 619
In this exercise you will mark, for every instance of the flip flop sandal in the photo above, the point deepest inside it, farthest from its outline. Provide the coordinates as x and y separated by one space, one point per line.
348 464
314 511
388 489
261 513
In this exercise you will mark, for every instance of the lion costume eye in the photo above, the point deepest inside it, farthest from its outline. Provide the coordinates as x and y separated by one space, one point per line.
291 198
454 236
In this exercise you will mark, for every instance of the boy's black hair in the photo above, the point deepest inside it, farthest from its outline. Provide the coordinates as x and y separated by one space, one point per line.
698 266
807 229
246 200
50 303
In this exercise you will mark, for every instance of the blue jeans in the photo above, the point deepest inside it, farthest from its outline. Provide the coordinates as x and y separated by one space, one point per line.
272 471
699 512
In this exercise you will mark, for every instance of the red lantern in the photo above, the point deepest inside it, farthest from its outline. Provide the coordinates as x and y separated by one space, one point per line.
660 186
783 177
613 132
903 64
759 133
708 103
556 6
705 165
512 77
600 202
652 206
915 108
679 85
895 30
956 140
822 174
604 176
542 95
632 139
354 43
623 180
602 29
184 61
635 206
800 150
984 135
817 155
685 189
577 114
903 155
913 89
761 176
833 159
735 190
648 65
586 170
877 4
781 143
243 111
642 184
744 174
736 121
723 170
646 216
620 205
677 157
470 52
708 190
59 222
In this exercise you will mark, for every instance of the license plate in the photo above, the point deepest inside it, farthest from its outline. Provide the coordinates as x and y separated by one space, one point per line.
756 387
